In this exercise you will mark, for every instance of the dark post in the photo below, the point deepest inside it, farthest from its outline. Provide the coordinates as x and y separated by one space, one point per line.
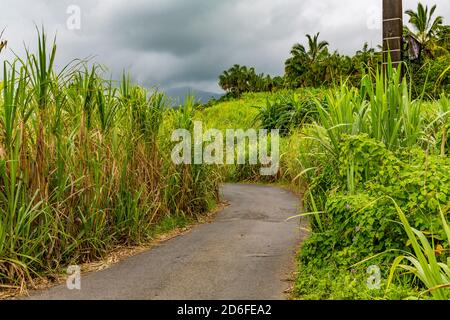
392 30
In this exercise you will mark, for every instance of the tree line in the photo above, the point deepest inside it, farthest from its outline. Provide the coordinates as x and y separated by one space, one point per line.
315 65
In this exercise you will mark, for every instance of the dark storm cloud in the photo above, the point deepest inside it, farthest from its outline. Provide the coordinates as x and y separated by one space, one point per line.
181 28
189 42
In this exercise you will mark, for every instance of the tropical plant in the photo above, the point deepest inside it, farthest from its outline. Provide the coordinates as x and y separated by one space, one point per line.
316 48
303 67
424 262
424 26
285 112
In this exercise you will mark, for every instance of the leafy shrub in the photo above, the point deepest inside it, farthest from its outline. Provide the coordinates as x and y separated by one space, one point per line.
357 219
354 230
285 112
426 77
333 283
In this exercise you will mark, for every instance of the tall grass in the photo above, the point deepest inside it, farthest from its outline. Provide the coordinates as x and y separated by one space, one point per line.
84 165
423 262
382 108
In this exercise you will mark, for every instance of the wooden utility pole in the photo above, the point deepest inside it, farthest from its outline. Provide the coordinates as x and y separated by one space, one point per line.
392 30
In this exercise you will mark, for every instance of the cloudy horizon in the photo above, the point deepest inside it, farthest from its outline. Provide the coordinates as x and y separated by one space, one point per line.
175 43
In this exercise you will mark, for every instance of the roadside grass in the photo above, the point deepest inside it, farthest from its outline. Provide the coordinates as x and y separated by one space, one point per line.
85 166
166 229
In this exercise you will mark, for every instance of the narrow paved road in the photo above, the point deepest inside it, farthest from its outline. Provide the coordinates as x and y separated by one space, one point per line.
246 253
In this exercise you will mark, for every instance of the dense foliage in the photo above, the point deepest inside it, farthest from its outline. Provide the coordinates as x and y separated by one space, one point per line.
85 166
314 65
372 162
240 79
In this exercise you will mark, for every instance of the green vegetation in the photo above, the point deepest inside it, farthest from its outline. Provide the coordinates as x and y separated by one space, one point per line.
424 264
369 150
373 165
425 27
85 166
240 79
314 65
352 151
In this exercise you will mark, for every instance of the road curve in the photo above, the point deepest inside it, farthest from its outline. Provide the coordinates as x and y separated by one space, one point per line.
247 252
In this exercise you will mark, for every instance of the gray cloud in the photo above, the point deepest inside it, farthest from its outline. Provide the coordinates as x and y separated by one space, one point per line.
189 42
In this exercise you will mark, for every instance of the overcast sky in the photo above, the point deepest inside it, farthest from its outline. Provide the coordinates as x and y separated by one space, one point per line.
173 43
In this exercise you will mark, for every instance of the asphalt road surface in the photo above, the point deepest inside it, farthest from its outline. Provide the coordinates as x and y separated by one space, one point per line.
247 252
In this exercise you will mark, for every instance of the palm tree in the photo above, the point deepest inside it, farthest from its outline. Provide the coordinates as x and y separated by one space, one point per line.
315 48
303 67
225 81
425 27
